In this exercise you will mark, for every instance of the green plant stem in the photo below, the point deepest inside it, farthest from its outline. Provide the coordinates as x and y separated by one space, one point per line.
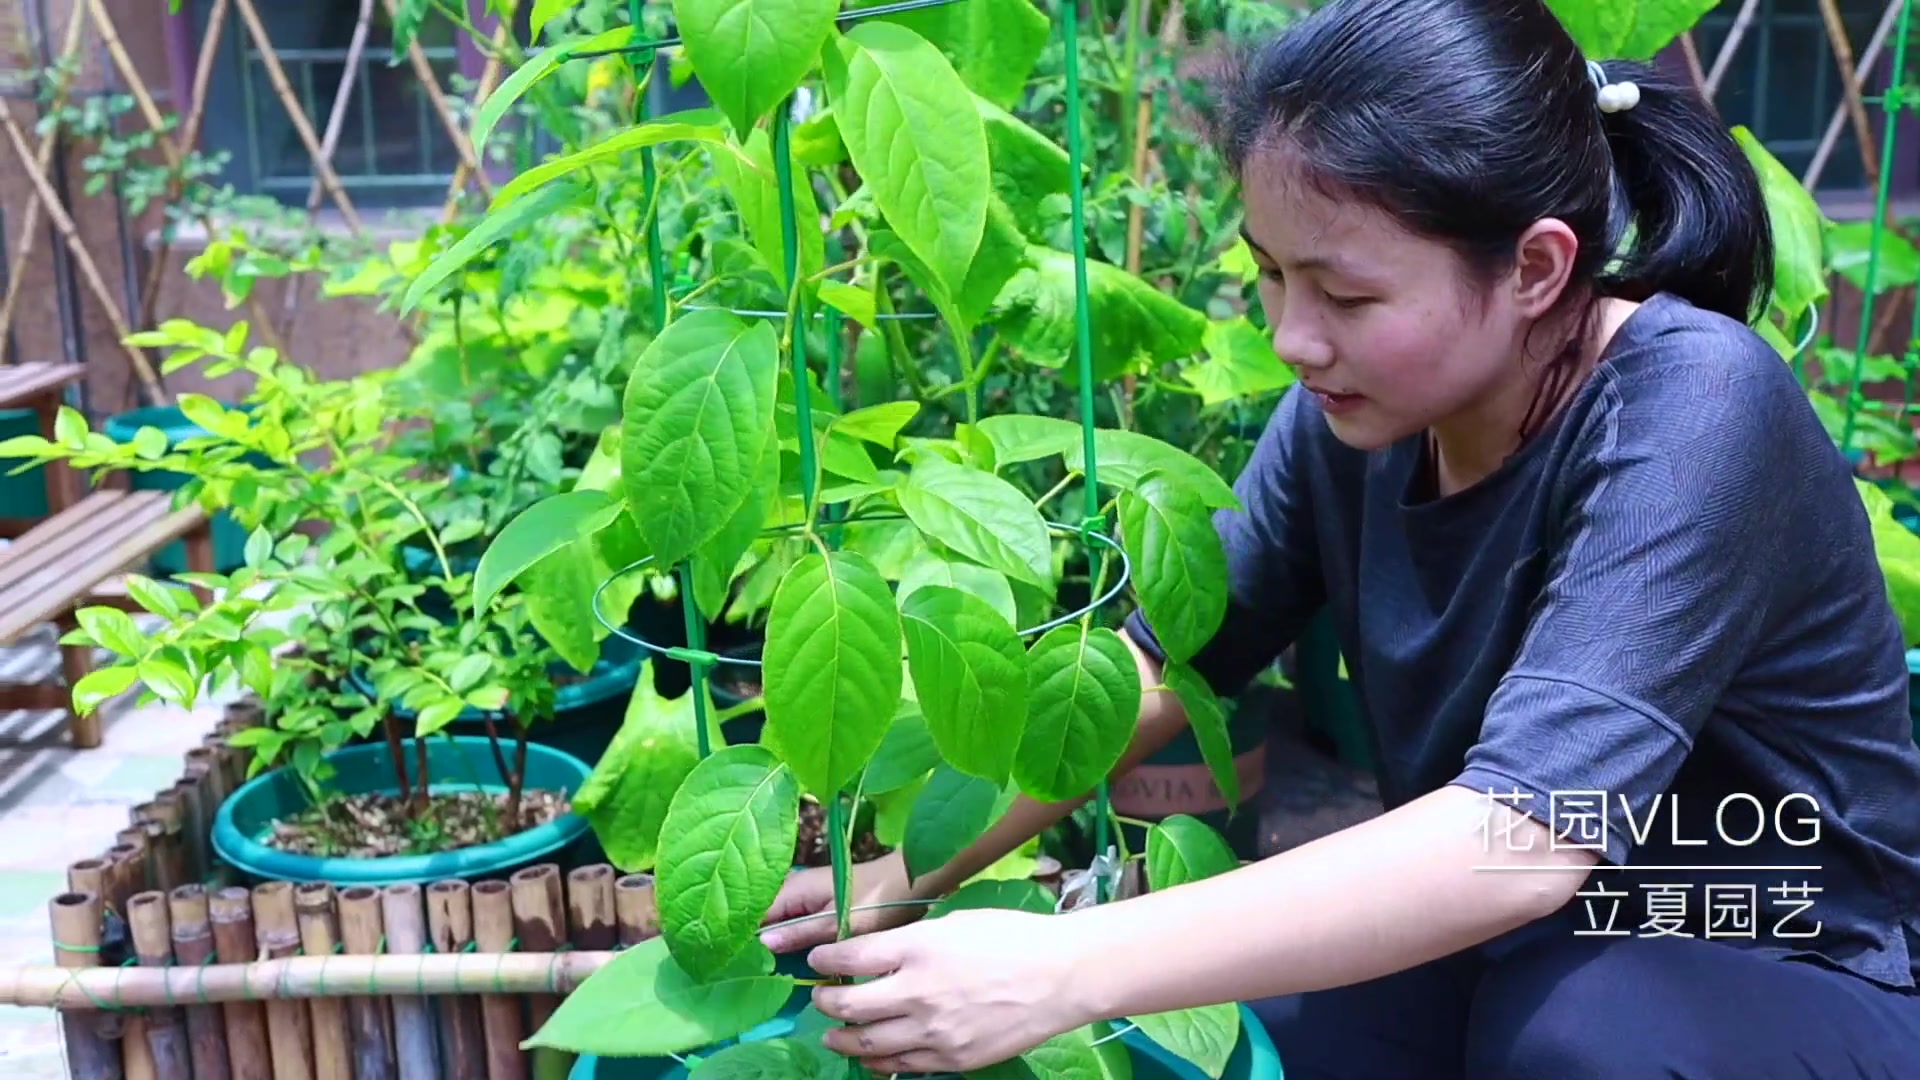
1055 490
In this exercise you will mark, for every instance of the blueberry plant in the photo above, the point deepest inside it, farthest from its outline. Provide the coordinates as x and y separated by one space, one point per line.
916 630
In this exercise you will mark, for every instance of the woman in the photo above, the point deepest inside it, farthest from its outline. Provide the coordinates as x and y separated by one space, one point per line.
1605 587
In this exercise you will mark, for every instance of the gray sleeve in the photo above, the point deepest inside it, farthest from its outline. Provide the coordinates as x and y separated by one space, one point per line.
1274 581
1670 542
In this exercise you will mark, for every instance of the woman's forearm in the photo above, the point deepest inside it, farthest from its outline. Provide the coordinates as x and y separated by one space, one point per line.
1386 895
1161 718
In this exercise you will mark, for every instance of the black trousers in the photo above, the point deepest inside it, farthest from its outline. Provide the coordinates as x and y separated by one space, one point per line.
1585 1008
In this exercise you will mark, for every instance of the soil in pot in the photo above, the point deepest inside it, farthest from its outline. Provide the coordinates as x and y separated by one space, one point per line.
375 825
811 848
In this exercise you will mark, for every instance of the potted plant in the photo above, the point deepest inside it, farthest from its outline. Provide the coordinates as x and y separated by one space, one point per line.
322 624
729 447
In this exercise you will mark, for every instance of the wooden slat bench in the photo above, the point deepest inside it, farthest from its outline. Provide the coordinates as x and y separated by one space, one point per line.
56 567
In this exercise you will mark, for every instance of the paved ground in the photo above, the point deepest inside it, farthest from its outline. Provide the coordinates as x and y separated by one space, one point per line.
58 805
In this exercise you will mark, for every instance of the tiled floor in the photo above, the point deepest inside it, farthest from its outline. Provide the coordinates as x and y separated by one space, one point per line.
58 805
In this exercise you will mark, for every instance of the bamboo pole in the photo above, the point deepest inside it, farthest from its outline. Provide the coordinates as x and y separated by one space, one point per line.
153 944
76 947
590 908
635 908
339 976
277 75
196 824
193 948
189 138
89 272
247 1044
493 934
42 161
423 71
127 874
539 923
319 936
1730 46
361 928
90 877
171 852
450 926
489 75
412 1022
1817 165
1850 89
289 1026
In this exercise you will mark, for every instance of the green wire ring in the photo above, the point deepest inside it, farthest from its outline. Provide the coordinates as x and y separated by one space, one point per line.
1126 575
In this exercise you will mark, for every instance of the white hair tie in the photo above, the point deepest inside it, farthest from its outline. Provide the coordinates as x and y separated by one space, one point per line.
1614 97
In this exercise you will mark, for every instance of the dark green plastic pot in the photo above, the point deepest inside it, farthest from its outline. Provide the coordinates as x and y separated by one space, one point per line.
1328 700
456 764
1176 780
229 539
1254 1056
586 714
25 495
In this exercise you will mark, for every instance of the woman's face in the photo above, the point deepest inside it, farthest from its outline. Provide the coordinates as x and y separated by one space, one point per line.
1384 326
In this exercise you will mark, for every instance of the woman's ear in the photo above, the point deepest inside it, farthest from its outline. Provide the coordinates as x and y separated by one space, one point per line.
1543 265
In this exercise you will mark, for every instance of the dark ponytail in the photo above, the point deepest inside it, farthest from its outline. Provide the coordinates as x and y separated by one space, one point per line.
1470 120
1698 211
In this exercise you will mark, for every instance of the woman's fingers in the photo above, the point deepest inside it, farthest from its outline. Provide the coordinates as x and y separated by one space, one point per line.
862 1003
885 1038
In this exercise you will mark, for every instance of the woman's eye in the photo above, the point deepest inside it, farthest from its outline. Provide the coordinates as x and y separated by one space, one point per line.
1349 302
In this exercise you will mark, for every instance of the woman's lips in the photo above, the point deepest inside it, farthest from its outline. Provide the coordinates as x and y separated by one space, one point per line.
1332 402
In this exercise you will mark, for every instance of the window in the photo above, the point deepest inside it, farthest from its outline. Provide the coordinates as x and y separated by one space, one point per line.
1784 84
392 150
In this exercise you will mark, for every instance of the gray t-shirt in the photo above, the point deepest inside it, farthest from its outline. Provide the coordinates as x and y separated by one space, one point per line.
1666 604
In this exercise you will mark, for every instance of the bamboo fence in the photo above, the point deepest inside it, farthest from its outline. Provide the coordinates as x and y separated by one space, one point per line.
169 967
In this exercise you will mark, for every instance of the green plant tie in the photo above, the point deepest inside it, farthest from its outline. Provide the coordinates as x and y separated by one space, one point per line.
1083 341
1891 104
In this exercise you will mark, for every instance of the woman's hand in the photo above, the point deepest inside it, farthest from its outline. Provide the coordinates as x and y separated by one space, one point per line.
810 892
967 990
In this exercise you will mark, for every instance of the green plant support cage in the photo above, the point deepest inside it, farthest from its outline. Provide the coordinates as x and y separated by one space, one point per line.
1255 1053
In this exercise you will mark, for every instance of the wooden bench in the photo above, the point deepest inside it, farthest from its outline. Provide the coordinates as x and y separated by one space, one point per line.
58 566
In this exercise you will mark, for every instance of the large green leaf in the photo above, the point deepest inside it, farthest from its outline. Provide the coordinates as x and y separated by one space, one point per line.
1003 251
725 847
720 556
1849 246
544 12
1207 719
951 812
536 532
1898 551
1080 1055
906 754
925 161
606 150
792 1058
1799 273
1599 27
832 668
1179 563
1204 1036
753 183
642 1004
496 226
993 44
698 407
1127 458
1028 167
1134 324
750 54
1181 849
1240 363
626 797
970 675
1017 895
1083 703
1017 437
980 516
1657 23
930 566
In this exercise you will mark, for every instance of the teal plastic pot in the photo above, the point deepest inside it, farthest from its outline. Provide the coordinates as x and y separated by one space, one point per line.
229 539
586 715
25 495
456 764
1176 780
1254 1056
1913 690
